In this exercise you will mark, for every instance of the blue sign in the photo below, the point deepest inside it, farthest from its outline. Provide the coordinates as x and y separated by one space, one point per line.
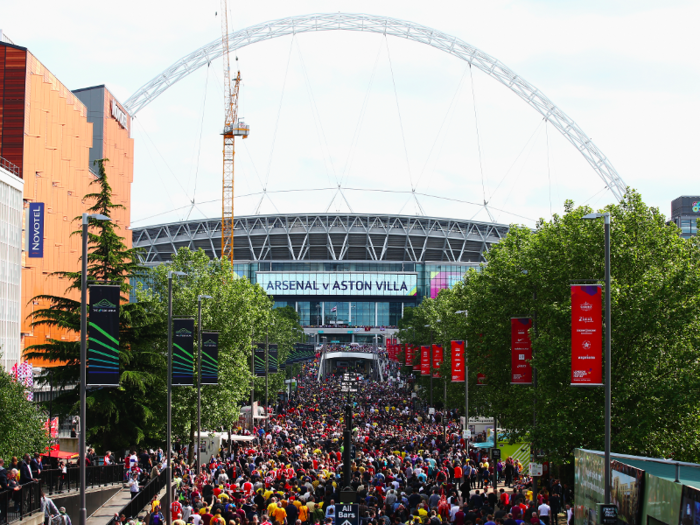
35 226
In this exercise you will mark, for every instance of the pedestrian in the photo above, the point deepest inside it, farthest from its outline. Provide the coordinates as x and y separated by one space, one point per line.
48 507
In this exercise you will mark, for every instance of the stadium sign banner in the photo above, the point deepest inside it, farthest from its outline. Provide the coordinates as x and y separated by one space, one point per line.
338 283
521 351
103 334
210 358
183 352
457 354
425 360
586 335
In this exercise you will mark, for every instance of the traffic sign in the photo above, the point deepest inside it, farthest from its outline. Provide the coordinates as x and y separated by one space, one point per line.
348 514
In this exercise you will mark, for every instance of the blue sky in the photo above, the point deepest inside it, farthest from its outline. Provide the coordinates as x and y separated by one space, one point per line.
626 72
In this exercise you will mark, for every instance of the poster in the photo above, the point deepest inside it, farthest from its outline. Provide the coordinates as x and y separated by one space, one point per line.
103 334
183 352
458 361
690 506
520 351
437 361
627 492
586 335
210 358
425 360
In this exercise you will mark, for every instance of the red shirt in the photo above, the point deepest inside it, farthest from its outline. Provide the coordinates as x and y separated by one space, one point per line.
175 509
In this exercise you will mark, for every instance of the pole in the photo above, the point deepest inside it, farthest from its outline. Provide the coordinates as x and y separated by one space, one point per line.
199 385
493 459
168 443
267 366
431 368
252 387
444 412
347 442
83 371
608 357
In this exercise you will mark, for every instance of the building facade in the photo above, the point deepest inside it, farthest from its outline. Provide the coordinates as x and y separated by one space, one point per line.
685 212
52 135
348 276
11 218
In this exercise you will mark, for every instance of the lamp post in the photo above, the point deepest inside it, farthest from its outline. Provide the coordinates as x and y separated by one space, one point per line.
199 379
83 360
168 444
608 352
466 379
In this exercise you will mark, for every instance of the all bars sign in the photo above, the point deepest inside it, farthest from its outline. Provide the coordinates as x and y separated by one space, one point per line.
210 358
103 333
521 351
586 335
183 352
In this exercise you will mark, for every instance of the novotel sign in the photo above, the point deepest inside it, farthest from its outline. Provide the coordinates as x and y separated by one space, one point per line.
35 230
119 115
332 283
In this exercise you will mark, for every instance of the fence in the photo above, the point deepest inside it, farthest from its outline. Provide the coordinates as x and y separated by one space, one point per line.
144 497
54 481
18 504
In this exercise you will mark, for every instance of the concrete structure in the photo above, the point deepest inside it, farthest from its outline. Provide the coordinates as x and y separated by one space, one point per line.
52 135
11 219
349 276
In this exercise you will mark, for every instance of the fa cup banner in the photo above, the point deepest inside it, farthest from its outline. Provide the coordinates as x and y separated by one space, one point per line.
183 352
259 359
210 358
425 360
437 360
457 354
586 335
272 359
103 333
521 351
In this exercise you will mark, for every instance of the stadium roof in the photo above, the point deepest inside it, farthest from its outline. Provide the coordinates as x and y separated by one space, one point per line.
327 237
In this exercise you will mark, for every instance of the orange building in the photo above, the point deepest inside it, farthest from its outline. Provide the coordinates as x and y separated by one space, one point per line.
53 135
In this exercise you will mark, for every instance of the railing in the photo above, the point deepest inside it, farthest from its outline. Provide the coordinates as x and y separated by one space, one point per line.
143 498
18 504
9 166
53 481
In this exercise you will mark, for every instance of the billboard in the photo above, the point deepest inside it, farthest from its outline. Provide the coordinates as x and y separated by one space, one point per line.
627 492
338 283
586 335
521 351
103 336
589 486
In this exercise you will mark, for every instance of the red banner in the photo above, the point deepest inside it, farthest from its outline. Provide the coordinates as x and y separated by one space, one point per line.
480 380
425 360
457 354
437 360
521 351
410 355
586 335
53 423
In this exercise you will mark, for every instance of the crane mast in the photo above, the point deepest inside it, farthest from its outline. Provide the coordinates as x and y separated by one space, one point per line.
233 127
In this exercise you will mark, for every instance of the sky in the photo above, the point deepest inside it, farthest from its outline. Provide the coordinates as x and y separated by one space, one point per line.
384 117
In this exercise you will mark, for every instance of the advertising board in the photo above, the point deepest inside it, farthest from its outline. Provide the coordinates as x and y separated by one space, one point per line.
332 283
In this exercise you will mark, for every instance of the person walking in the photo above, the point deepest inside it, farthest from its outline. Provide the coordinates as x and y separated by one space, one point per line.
48 507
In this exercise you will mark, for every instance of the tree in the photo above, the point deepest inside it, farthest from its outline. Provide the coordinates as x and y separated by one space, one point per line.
116 418
21 421
655 296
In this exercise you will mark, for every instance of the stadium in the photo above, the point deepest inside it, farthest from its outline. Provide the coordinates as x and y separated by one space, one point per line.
349 276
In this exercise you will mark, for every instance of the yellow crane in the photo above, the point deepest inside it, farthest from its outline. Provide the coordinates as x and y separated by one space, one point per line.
233 127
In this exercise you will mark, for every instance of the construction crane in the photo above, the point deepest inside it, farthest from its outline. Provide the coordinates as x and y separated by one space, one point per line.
233 127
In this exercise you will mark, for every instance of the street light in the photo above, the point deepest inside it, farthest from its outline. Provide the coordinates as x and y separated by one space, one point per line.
83 360
168 444
199 378
466 377
608 352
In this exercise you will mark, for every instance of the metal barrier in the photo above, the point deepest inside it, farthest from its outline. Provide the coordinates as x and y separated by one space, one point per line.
9 166
144 497
53 481
18 504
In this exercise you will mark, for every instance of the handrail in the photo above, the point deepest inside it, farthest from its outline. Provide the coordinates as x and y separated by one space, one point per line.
15 505
9 166
144 497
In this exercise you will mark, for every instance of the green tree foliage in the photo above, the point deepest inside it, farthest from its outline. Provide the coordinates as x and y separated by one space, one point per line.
21 421
655 333
116 418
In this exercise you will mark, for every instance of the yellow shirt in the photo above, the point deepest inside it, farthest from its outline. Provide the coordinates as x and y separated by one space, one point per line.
271 508
280 514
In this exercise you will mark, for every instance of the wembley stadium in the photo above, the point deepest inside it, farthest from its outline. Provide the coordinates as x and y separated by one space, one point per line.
349 276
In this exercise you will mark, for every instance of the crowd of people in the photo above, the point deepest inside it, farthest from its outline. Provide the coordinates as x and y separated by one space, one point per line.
407 468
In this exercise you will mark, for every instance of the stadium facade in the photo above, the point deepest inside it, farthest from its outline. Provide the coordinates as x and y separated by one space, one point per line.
349 276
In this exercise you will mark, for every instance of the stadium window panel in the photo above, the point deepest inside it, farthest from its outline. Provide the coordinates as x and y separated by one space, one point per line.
383 314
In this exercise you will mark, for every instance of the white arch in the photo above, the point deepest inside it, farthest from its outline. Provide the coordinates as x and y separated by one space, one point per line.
402 29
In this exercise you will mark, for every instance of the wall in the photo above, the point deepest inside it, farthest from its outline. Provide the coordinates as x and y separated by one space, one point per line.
11 188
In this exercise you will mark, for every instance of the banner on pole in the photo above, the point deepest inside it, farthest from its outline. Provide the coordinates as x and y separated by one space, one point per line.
480 380
425 360
301 352
437 361
521 351
103 333
457 355
210 358
183 352
259 359
272 359
586 335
